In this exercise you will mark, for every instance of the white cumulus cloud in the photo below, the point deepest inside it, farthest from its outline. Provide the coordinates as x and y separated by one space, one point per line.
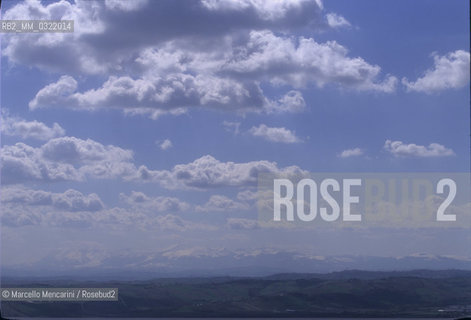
15 126
74 159
175 76
242 224
156 204
113 32
400 149
301 61
220 203
62 159
355 152
337 21
166 144
282 135
208 172
450 71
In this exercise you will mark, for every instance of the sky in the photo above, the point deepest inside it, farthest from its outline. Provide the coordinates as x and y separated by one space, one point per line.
140 136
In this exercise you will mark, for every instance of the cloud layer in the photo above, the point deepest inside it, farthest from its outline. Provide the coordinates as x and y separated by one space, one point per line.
208 172
73 159
111 33
71 209
70 200
62 159
169 67
155 204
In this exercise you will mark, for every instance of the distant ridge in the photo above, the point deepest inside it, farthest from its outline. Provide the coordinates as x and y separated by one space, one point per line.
363 274
229 263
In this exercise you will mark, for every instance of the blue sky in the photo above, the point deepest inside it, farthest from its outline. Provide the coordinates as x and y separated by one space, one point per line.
151 121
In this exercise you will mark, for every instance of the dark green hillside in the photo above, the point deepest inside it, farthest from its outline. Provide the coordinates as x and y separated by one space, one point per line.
352 294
